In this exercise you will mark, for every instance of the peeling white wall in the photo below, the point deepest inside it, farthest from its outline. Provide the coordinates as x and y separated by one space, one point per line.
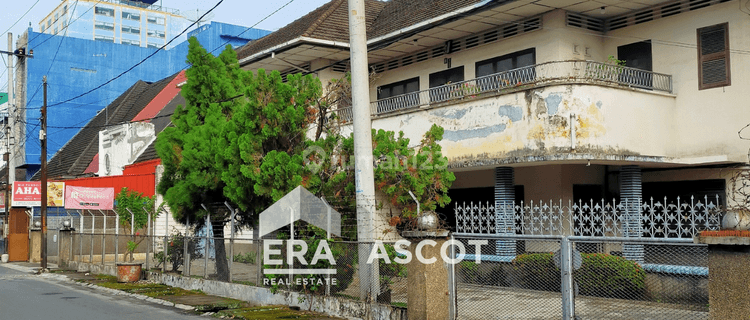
537 122
121 145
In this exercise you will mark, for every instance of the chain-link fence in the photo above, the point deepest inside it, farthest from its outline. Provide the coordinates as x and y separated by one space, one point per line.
669 281
319 267
490 286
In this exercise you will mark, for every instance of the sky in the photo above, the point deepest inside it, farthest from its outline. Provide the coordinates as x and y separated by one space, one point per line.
240 12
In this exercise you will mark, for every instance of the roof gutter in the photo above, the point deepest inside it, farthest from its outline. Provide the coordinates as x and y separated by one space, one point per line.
290 43
429 22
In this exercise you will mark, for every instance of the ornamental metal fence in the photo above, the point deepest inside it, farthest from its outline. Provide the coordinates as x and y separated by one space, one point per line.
654 218
584 260
548 73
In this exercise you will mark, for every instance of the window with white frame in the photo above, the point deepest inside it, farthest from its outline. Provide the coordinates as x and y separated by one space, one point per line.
104 38
135 16
156 34
104 11
131 30
131 42
156 19
104 26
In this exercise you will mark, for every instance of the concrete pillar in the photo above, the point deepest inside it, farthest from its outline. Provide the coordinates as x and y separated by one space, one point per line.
728 279
66 243
35 246
630 197
505 196
428 294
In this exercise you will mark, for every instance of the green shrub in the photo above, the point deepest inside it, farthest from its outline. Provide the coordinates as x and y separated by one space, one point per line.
486 273
605 275
600 275
392 269
345 255
536 271
245 258
469 272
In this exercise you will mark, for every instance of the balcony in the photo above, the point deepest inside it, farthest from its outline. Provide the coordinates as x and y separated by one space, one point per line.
543 74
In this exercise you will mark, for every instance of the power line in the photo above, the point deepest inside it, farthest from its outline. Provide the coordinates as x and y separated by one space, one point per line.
19 19
59 45
130 69
254 25
141 62
66 27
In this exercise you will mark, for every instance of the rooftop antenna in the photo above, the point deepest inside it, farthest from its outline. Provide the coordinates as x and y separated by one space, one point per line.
195 16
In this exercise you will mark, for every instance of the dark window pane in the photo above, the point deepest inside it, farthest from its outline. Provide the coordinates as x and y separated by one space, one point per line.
412 86
504 65
484 69
525 60
397 90
448 76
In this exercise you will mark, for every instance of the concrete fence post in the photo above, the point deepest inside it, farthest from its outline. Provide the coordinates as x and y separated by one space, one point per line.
148 237
91 238
186 252
231 239
117 236
104 236
80 237
205 251
166 242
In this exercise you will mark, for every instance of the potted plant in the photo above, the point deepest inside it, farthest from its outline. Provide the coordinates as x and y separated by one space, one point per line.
130 271
134 210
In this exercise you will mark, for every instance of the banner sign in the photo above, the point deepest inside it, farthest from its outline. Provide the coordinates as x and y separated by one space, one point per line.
89 198
29 194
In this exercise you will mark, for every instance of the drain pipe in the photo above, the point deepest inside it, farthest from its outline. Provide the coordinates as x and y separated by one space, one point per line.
573 120
415 200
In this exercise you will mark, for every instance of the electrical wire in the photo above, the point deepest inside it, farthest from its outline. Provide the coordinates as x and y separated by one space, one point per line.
21 17
59 45
254 25
66 27
139 63
130 69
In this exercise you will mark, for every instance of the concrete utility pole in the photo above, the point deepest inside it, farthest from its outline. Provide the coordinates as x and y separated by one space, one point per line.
364 177
11 105
43 142
8 162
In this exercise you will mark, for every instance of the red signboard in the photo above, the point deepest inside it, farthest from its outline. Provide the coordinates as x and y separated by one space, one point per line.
89 198
29 194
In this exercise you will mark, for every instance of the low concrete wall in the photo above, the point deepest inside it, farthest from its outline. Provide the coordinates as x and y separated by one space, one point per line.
335 306
92 268
339 307
677 288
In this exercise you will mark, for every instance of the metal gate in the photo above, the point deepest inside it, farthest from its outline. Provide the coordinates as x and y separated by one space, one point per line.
575 262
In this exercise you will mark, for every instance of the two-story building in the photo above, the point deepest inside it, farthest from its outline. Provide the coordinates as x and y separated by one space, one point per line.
536 102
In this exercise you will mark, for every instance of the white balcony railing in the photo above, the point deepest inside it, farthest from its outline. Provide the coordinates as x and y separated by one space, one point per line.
528 77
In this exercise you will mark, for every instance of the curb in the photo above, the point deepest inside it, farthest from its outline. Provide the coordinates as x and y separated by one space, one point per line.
19 268
133 295
61 277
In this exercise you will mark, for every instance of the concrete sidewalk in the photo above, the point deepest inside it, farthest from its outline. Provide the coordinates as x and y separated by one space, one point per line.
28 266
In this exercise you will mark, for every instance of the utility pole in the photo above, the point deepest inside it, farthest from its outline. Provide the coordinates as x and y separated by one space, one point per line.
11 106
8 185
364 177
43 141
8 161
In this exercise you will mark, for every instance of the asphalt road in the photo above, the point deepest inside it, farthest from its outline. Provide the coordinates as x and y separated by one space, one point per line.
26 296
